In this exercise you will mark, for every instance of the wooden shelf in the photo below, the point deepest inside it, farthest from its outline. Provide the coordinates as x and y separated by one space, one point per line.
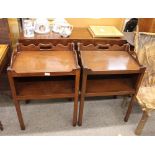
107 87
44 87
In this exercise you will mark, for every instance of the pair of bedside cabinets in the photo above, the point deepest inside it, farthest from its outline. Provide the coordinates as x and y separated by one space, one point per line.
47 71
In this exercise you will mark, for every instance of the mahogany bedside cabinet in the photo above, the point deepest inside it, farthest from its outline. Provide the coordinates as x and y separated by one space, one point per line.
44 71
108 70
3 57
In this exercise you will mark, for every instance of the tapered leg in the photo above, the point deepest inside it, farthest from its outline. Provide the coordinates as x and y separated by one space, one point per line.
141 124
129 108
19 114
16 102
81 110
138 82
75 112
1 126
83 90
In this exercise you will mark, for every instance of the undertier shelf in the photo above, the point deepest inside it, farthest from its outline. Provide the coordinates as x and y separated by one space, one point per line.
41 88
106 87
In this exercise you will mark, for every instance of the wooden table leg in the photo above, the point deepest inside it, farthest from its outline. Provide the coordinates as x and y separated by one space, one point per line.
141 124
1 126
129 108
75 112
83 90
140 77
19 114
16 102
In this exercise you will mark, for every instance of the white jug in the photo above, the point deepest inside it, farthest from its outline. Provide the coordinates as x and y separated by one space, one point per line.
41 26
57 24
65 30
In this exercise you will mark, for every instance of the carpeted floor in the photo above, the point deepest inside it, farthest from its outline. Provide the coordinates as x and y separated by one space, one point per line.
54 117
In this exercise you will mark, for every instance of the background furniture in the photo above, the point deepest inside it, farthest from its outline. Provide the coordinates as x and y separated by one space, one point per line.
44 72
4 31
85 22
5 37
145 45
146 24
78 35
107 71
3 58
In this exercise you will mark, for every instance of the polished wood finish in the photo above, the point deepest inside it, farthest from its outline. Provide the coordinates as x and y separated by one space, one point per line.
26 88
146 25
138 82
44 72
108 70
78 35
119 86
31 61
108 60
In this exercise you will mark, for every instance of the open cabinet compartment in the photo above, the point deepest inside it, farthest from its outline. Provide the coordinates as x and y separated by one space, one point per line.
111 84
44 86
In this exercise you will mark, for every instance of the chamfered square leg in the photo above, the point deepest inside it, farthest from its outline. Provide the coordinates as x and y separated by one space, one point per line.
19 114
75 112
83 90
129 108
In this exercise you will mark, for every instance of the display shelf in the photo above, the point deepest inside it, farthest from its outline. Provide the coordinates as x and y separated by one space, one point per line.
109 87
108 70
44 87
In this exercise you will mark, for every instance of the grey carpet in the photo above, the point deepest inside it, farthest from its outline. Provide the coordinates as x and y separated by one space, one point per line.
54 117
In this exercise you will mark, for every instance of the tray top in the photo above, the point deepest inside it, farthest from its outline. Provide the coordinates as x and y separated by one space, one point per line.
108 61
44 61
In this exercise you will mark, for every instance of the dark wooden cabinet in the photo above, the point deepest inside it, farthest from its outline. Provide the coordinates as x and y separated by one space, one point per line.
38 72
107 71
